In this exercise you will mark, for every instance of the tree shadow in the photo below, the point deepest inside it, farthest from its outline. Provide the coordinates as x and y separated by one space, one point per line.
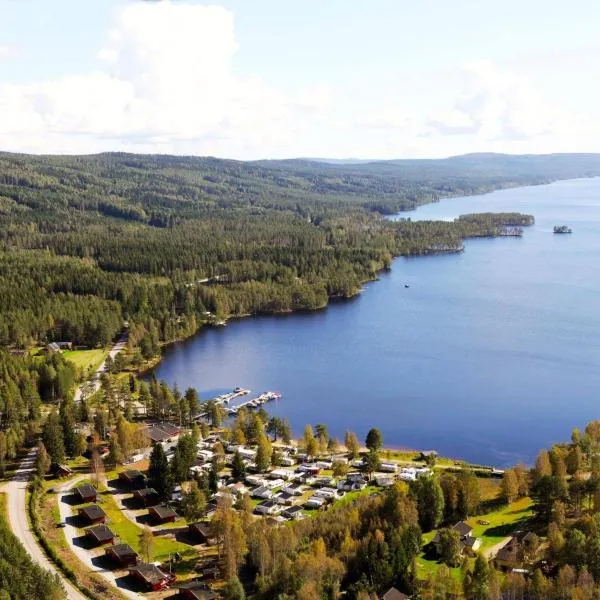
170 531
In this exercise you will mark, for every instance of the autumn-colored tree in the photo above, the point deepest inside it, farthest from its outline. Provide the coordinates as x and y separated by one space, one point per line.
352 444
146 543
509 486
96 468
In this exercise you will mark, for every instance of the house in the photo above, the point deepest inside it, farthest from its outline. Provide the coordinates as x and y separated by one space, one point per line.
151 577
468 543
201 531
147 496
280 474
285 498
123 554
132 478
384 480
352 485
61 470
268 507
293 488
163 432
59 346
238 489
86 493
162 514
294 513
255 480
510 556
316 502
100 534
274 483
312 469
262 492
196 590
394 594
287 461
326 492
92 514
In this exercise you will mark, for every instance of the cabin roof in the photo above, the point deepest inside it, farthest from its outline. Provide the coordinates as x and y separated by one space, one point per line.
101 533
149 572
92 512
86 491
162 511
121 551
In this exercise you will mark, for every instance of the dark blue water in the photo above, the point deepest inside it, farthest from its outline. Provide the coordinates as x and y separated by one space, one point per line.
489 355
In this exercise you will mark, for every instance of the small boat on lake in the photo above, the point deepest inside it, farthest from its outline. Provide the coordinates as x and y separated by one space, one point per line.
562 229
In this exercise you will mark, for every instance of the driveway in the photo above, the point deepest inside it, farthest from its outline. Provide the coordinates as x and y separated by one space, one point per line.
87 557
15 491
93 385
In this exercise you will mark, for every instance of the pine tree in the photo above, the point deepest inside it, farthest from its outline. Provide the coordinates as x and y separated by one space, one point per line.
52 437
158 472
238 468
374 440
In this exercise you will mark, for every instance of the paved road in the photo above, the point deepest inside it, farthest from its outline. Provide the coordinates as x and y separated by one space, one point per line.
17 518
94 384
71 532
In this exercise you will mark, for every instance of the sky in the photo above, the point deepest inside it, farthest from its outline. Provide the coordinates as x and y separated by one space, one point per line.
250 79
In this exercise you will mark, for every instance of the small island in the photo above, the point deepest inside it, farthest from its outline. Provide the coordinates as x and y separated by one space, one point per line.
562 229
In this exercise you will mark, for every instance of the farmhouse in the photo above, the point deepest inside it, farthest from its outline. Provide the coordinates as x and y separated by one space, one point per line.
151 577
122 554
162 514
86 493
92 514
100 534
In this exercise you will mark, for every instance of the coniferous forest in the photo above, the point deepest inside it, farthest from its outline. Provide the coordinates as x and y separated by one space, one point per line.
167 242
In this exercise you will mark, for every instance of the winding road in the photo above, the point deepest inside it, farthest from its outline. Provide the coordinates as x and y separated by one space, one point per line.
16 493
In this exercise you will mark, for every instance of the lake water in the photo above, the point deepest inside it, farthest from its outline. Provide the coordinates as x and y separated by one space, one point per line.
488 356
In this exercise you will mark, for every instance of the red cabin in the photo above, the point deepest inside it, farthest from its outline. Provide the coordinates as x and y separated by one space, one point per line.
151 577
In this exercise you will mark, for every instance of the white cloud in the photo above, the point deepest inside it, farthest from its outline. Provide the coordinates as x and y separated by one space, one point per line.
167 82
497 105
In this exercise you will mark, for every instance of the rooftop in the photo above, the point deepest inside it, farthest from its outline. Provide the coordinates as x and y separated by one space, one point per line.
86 491
121 550
149 572
160 432
101 533
93 512
162 511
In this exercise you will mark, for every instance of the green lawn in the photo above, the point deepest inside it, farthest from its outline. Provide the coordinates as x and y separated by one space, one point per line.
502 522
86 359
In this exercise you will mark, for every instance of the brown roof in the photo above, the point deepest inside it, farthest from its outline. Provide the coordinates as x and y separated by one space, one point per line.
101 533
92 512
121 551
201 528
86 491
149 572
510 552
145 493
394 594
162 511
161 432
462 528
131 475
199 590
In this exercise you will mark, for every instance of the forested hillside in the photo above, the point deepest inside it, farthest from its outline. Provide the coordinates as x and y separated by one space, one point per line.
90 241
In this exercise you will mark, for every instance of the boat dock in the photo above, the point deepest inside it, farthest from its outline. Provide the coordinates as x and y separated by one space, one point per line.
227 398
255 402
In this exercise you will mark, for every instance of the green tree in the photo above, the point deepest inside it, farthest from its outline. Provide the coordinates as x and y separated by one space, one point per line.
146 544
509 486
238 468
42 460
52 437
194 503
263 454
193 400
234 590
371 463
115 454
430 501
159 474
477 582
374 440
450 548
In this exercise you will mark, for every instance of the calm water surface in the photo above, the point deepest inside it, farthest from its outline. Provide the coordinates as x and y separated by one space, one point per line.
489 355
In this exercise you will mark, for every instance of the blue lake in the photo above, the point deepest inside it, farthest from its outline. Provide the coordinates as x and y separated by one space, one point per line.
488 355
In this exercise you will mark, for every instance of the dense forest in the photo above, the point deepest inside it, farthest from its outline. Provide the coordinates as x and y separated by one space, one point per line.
167 243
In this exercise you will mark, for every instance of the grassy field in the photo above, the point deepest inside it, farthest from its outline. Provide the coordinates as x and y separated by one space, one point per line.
86 359
502 522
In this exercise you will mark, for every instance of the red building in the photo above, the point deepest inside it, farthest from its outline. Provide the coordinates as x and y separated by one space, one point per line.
151 577
196 590
147 496
132 478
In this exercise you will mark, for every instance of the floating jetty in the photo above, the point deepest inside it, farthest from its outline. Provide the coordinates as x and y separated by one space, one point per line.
255 402
227 398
